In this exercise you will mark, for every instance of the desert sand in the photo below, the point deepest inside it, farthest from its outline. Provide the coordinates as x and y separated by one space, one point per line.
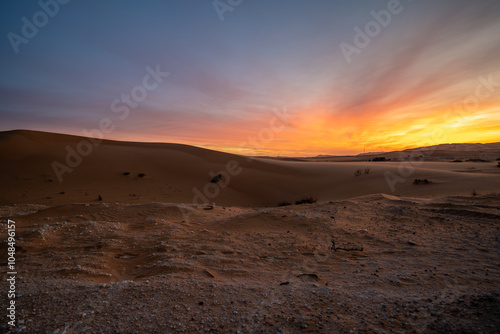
127 243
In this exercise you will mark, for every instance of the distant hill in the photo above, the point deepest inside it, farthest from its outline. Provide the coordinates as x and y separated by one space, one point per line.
441 152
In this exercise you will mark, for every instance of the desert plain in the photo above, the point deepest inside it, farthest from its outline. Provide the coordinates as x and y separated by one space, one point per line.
125 237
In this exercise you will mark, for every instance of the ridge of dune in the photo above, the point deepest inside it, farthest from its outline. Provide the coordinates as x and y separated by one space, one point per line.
129 172
19 137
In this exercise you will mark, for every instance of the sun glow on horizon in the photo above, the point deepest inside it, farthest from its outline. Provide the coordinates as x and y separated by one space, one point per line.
432 76
349 136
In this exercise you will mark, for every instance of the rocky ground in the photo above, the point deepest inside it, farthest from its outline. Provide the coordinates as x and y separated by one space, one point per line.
373 264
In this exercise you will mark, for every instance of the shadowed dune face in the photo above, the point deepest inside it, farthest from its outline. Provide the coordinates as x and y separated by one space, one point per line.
144 172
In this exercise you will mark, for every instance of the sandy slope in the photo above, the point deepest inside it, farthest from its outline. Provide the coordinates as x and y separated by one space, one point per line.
422 258
172 171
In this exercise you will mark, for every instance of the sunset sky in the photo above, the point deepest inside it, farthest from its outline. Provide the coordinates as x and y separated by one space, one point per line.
257 77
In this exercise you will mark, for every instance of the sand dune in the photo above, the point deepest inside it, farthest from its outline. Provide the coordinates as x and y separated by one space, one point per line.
172 171
151 256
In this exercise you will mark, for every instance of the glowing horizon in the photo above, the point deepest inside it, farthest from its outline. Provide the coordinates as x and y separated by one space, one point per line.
429 75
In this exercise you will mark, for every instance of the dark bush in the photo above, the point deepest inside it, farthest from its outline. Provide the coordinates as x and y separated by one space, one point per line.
126 173
358 172
216 178
284 203
419 181
307 200
141 175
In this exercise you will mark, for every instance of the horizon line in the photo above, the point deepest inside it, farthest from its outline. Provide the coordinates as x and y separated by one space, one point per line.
258 156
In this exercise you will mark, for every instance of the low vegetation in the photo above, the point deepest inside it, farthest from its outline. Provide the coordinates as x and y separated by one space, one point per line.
307 200
216 178
358 172
477 160
421 181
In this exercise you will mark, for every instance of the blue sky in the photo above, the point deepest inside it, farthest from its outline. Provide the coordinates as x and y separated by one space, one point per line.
226 77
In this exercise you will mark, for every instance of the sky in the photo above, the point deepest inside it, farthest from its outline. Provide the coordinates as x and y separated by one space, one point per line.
256 77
